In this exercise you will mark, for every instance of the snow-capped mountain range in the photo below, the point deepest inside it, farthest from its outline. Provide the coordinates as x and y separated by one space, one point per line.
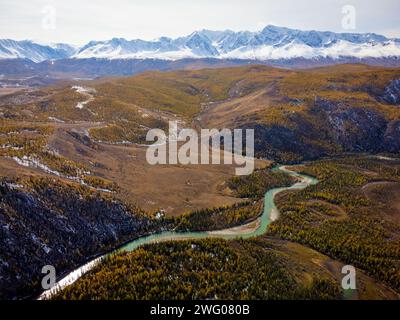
11 49
268 44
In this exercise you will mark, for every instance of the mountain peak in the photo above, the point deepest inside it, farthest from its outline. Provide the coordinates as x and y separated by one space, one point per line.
272 42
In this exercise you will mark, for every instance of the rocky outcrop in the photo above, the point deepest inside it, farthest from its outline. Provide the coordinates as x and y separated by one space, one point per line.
283 144
392 93
334 127
54 224
357 129
392 136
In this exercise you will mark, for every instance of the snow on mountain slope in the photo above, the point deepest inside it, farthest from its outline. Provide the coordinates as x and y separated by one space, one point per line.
10 49
270 43
297 49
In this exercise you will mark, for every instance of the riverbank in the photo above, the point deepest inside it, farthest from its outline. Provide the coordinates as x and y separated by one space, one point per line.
250 230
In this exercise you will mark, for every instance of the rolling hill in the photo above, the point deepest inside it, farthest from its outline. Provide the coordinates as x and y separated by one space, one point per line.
73 154
297 115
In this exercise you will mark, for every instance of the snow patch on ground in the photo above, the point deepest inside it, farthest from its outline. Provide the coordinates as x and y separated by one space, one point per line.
70 279
34 163
56 120
9 146
87 92
14 186
31 162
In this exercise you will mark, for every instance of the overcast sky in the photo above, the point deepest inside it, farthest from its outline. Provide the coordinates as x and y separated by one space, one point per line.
79 21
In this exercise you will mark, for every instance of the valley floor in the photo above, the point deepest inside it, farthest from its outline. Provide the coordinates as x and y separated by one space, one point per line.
174 189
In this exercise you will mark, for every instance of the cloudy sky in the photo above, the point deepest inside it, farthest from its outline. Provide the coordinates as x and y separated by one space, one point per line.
79 21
